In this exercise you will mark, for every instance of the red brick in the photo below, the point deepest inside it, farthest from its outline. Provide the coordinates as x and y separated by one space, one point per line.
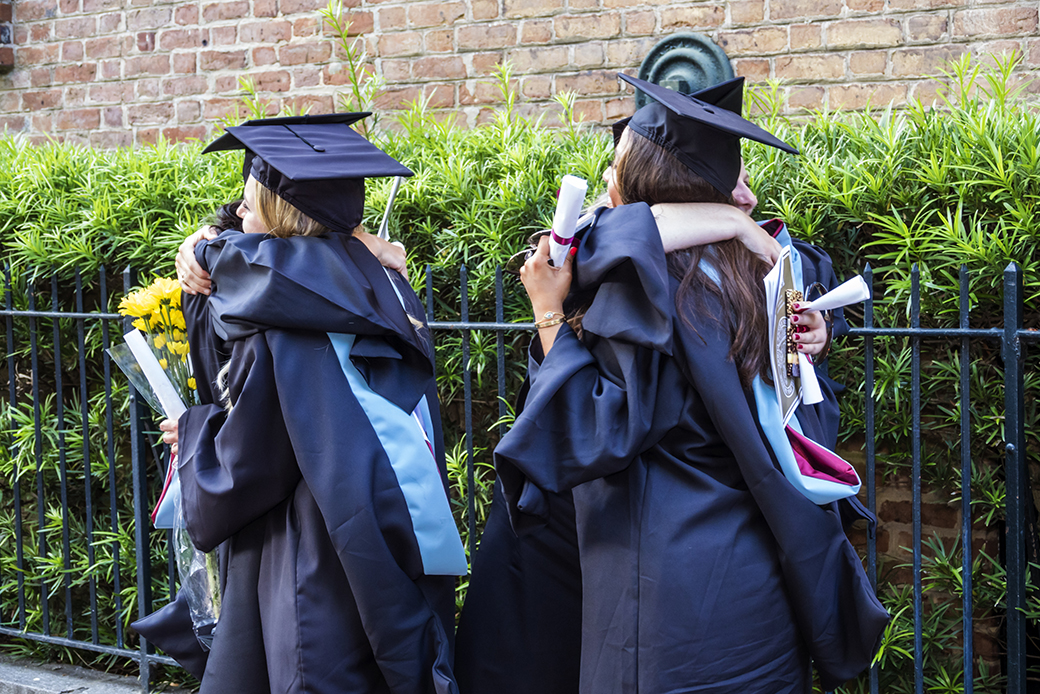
148 88
37 101
695 17
222 60
146 41
75 28
588 55
484 36
110 23
867 62
811 67
72 50
440 41
226 83
397 70
402 97
858 96
40 32
754 69
265 32
865 5
43 122
619 108
306 76
926 27
294 6
9 124
185 133
274 81
233 9
306 27
75 96
803 9
265 8
40 77
188 111
113 116
531 8
997 21
148 65
92 6
335 75
264 55
148 114
184 86
438 68
805 36
640 23
223 36
75 74
542 59
747 11
33 10
5 11
147 136
924 61
186 14
582 4
111 69
304 53
588 111
106 47
435 14
400 43
603 25
537 87
112 92
110 139
79 119
310 103
484 9
10 101
485 64
483 92
184 63
536 31
391 18
988 52
597 82
439 95
864 33
805 97
172 39
628 52
754 41
152 18
1032 56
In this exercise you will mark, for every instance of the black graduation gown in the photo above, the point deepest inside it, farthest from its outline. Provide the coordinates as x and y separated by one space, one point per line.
325 586
702 568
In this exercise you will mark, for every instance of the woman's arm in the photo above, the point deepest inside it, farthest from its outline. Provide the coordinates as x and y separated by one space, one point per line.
683 225
547 287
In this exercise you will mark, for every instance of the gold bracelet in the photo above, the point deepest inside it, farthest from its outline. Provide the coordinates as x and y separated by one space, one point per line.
549 319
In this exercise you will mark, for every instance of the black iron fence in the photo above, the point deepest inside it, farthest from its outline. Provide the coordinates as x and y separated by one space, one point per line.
75 578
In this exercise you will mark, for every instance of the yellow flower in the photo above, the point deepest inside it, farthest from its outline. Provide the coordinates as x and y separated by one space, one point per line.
178 335
140 324
177 319
178 347
191 382
163 363
159 340
139 304
169 289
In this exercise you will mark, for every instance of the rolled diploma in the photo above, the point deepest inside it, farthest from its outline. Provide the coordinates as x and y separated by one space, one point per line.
851 292
568 207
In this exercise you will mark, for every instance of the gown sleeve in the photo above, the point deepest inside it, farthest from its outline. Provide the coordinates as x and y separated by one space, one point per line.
232 470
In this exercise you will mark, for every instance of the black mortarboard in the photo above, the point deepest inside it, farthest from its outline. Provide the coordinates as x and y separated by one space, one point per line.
318 164
702 131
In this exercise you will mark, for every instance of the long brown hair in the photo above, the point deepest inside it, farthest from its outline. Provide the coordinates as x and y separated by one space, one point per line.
646 172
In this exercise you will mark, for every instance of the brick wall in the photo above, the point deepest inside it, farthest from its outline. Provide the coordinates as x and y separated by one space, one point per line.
116 72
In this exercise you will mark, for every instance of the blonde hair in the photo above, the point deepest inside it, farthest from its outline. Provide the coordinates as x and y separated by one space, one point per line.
283 219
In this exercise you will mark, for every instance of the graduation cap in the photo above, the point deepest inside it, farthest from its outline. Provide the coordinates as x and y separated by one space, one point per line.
701 130
318 164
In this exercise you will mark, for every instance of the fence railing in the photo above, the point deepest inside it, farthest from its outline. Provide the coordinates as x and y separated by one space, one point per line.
122 434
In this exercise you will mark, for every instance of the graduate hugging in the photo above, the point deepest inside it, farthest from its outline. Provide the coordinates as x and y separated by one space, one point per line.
648 519
315 462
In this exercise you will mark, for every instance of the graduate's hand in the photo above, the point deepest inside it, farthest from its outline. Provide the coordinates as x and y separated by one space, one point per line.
547 287
759 242
390 254
193 279
688 224
169 430
812 331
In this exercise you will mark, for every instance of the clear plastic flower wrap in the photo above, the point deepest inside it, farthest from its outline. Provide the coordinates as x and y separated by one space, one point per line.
200 580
